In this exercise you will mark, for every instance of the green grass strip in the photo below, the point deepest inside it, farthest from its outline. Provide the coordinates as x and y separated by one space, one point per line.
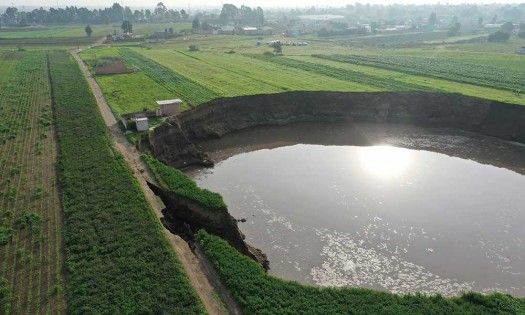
117 258
343 74
259 293
483 75
180 184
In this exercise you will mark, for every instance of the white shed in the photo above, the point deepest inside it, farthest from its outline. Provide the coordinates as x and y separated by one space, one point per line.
142 124
170 107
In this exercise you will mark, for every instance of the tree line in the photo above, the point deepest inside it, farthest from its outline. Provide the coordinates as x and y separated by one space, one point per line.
72 14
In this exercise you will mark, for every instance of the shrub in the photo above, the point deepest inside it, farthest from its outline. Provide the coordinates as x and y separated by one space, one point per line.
499 36
194 48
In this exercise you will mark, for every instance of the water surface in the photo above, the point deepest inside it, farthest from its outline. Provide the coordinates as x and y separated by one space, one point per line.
382 217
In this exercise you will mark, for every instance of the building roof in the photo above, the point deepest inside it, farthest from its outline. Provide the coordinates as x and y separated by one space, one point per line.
249 28
141 119
169 102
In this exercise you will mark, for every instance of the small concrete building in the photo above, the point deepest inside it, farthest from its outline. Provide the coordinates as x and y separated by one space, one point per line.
248 30
142 124
170 107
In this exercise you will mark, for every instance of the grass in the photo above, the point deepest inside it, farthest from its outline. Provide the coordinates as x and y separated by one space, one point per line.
433 83
256 292
180 184
132 92
181 86
462 72
118 259
235 74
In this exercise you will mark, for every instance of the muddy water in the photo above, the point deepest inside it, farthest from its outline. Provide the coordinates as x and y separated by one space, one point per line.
377 208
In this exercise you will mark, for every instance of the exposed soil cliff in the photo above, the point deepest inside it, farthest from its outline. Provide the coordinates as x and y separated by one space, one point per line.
175 144
185 217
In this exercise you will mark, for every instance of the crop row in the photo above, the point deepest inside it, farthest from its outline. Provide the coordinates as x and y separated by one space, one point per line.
180 86
180 184
484 75
344 74
118 260
31 252
259 293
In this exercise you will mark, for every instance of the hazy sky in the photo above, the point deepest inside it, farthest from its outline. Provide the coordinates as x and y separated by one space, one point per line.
180 4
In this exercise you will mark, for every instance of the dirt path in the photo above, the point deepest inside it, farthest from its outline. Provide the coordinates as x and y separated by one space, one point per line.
197 273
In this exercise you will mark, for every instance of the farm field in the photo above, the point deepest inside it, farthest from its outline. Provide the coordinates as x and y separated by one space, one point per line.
121 261
430 82
462 72
31 247
227 66
73 35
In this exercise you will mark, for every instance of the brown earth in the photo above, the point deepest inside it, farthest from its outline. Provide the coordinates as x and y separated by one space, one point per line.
177 144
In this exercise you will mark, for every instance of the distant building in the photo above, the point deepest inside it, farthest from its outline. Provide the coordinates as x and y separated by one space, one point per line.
248 30
170 107
227 30
266 30
142 123
493 26
161 34
521 50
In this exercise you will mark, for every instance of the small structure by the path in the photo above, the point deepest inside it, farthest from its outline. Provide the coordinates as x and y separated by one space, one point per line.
170 107
142 123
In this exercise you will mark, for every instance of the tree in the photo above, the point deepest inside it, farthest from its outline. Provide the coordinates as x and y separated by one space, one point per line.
521 34
88 30
508 27
196 24
432 19
160 9
184 15
480 21
454 29
170 30
499 36
229 12
277 47
127 26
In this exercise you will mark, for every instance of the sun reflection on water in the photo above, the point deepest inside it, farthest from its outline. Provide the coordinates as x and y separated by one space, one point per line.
385 162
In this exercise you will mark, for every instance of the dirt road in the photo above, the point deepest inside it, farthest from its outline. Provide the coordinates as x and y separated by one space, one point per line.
197 274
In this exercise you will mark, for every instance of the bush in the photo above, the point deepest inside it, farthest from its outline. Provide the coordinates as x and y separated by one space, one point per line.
194 48
521 34
499 37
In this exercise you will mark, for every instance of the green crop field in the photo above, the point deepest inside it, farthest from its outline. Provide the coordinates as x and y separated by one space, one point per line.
227 66
118 259
31 249
483 75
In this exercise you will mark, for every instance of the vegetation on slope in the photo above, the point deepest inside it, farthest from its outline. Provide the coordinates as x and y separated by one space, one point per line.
259 293
180 184
483 75
118 260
